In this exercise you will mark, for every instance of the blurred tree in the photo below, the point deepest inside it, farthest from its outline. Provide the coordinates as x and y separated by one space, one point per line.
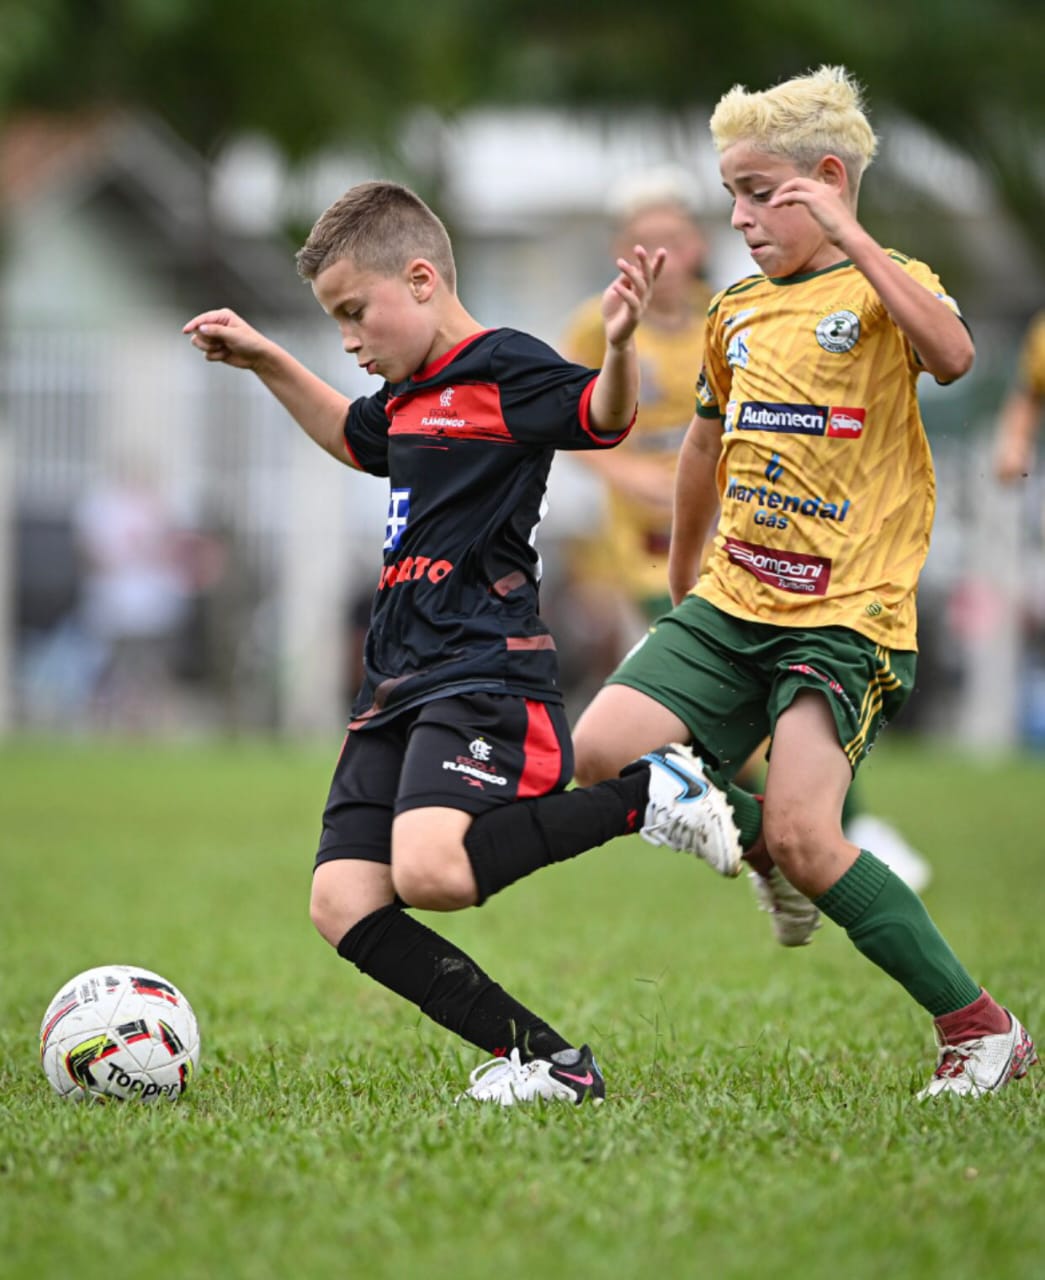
318 72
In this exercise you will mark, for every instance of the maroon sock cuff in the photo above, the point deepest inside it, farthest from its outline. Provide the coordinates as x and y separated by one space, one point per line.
984 1017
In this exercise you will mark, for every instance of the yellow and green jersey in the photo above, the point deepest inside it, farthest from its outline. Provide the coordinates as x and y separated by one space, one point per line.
632 548
826 481
1032 358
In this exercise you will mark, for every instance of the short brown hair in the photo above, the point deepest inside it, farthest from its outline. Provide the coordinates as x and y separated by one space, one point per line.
381 226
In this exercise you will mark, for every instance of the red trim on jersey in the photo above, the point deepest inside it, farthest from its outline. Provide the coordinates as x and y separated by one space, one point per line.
353 460
542 754
529 642
584 413
440 362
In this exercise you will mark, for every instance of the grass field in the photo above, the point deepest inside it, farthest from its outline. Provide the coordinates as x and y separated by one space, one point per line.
761 1121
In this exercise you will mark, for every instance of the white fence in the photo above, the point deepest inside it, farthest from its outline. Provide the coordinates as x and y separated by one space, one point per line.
303 535
78 409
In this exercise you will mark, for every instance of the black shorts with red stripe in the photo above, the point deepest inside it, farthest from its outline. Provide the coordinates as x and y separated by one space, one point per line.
473 751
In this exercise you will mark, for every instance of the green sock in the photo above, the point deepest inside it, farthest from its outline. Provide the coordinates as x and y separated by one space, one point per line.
747 811
887 922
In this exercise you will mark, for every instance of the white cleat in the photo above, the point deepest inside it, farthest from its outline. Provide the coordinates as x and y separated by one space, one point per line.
571 1075
688 812
794 917
976 1067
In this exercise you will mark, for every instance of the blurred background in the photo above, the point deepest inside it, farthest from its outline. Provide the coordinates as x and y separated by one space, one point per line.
176 559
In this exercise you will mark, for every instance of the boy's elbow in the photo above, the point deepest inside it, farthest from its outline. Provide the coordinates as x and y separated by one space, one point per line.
955 364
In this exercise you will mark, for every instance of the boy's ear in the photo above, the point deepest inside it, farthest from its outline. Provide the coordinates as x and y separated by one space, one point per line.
833 172
422 278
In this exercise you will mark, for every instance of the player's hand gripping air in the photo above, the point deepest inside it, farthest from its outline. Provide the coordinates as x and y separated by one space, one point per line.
223 336
625 300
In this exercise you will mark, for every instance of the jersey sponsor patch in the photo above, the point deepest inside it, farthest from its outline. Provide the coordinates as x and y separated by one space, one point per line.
398 515
838 421
845 423
784 570
738 354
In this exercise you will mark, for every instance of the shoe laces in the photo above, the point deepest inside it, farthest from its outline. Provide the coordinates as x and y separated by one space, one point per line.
498 1077
951 1058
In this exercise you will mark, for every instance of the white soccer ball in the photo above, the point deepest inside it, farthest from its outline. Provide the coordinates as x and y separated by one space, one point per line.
118 1031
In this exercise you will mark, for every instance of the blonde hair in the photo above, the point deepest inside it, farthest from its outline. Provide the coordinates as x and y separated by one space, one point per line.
381 226
803 120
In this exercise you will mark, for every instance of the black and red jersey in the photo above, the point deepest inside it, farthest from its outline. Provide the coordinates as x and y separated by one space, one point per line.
467 443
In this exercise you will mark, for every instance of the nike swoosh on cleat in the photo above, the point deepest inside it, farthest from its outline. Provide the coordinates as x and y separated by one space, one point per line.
692 789
587 1078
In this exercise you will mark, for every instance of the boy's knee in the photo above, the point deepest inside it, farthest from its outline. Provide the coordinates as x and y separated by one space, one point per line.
798 846
593 761
331 915
335 907
434 879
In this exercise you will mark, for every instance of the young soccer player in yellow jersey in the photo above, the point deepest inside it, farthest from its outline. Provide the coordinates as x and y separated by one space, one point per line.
1022 411
802 623
621 572
625 560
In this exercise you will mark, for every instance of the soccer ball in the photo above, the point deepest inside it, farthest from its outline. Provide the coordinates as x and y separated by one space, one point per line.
119 1032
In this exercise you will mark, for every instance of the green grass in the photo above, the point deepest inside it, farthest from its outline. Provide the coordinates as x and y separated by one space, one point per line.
761 1120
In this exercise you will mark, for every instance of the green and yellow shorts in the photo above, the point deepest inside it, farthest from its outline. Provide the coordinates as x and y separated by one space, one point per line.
729 680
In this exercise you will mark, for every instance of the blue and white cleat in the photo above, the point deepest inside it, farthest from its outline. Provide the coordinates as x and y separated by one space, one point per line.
688 812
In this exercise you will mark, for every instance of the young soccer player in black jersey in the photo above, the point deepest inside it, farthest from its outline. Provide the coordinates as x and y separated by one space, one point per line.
450 784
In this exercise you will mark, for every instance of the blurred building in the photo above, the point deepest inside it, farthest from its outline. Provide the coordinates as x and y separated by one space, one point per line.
115 233
110 244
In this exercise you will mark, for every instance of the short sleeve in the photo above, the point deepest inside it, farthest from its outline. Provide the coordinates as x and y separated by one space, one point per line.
713 384
545 398
366 432
931 281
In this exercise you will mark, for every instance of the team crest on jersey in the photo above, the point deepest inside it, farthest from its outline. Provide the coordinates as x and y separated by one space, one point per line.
839 332
398 515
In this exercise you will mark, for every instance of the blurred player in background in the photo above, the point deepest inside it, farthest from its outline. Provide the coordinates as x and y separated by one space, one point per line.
809 444
1021 414
451 783
622 568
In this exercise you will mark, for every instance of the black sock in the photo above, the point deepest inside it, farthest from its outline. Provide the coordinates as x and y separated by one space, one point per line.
416 963
505 844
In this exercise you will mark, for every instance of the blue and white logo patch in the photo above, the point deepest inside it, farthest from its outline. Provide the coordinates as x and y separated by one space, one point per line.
737 353
398 515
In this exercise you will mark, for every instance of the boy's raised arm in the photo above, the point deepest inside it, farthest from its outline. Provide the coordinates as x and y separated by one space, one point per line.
616 391
315 406
933 329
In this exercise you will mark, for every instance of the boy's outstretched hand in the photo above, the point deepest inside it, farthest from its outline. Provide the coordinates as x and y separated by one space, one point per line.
223 336
625 301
